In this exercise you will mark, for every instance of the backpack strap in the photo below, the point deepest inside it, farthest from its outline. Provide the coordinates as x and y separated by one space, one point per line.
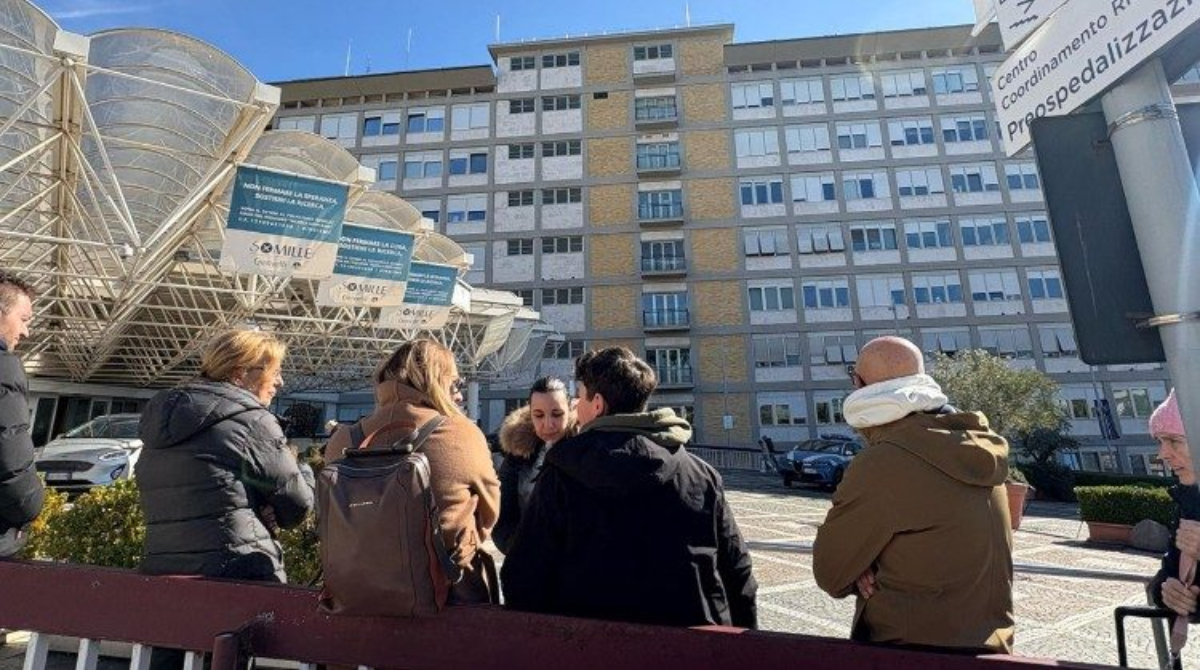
453 571
426 431
357 436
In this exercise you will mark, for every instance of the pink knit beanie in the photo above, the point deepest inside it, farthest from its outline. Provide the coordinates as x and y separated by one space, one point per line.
1166 419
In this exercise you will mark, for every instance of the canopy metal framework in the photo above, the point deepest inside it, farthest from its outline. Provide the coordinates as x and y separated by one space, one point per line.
117 156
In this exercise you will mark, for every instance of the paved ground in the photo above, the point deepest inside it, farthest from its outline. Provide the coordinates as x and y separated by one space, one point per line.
1057 617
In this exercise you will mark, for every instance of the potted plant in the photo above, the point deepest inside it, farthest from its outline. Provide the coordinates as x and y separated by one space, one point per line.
1018 490
1111 511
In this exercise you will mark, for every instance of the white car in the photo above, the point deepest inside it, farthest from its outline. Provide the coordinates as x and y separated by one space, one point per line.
99 452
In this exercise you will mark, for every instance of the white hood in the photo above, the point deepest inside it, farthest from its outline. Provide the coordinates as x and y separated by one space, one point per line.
892 400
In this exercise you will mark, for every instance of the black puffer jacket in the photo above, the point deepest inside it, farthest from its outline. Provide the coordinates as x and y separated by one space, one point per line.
625 524
21 492
214 459
1187 506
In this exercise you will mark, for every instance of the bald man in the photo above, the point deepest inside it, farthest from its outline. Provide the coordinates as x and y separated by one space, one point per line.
919 530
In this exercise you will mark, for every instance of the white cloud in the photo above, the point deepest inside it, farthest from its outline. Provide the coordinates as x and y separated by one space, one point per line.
85 9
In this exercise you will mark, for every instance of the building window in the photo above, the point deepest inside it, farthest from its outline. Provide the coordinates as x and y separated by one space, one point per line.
766 242
671 366
660 204
1033 228
522 106
562 196
520 198
1022 176
762 191
466 208
820 239
1044 284
565 350
986 232
880 290
468 161
754 95
801 91
994 285
1133 402
1011 342
937 288
807 138
423 165
812 188
873 237
772 298
777 351
782 414
380 125
655 109
756 143
569 59
1057 340
525 294
911 132
306 124
562 245
665 309
972 128
520 247
948 342
927 234
469 117
430 208
826 294
663 255
955 80
562 296
562 148
902 84
426 120
919 181
524 151
859 135
830 349
558 103
520 63
973 178
864 185
653 52
852 87
829 410
339 126
658 155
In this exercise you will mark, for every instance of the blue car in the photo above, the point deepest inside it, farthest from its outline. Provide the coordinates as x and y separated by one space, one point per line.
822 461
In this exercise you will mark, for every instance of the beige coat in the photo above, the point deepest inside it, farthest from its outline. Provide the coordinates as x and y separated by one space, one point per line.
924 506
464 481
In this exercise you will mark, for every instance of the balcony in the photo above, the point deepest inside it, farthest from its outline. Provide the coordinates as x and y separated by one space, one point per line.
664 214
656 71
659 165
666 319
666 266
674 376
656 118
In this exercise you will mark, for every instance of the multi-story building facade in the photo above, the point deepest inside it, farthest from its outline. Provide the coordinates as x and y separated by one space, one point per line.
744 215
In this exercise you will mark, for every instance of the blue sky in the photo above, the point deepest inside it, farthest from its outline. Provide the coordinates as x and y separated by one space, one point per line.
298 39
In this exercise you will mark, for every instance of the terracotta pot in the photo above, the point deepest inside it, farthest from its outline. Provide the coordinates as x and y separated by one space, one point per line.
1016 501
1108 533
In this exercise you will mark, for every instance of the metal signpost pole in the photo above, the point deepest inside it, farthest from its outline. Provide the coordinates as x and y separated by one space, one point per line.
1164 204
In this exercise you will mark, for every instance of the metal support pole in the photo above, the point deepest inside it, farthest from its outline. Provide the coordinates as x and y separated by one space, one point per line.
473 400
1164 204
226 650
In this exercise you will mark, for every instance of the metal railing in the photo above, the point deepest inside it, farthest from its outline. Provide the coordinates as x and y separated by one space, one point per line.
673 375
670 161
664 264
644 114
665 318
657 212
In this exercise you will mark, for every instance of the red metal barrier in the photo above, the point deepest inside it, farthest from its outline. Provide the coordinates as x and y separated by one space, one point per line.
282 622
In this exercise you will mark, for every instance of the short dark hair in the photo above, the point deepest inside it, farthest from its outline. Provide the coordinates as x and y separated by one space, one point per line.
547 385
624 380
10 287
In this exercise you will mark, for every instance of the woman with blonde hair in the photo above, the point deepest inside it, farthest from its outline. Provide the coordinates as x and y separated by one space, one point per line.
418 382
216 476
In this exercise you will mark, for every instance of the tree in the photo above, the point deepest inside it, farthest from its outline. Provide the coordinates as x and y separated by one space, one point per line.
1016 402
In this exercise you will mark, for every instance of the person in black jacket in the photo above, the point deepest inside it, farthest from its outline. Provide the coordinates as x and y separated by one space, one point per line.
21 490
625 524
216 476
1166 588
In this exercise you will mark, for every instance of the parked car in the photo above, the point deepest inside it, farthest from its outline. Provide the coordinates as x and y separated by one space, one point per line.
99 452
822 461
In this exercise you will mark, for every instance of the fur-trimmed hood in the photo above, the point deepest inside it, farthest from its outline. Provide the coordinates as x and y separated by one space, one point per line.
517 437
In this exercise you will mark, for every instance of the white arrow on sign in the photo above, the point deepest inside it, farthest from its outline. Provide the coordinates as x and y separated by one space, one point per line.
1017 18
1084 48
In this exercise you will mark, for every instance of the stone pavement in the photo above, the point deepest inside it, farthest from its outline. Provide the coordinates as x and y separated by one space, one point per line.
1060 617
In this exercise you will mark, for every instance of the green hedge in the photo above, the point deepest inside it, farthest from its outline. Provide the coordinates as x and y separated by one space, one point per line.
1052 481
1124 504
1084 478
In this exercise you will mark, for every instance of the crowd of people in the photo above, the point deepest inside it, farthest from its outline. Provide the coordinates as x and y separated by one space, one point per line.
598 506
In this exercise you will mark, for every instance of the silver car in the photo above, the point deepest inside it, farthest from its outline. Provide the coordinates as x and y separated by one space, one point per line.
99 452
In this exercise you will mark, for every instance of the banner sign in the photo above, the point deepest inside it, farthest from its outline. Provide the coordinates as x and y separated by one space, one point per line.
371 269
427 298
283 225
1083 49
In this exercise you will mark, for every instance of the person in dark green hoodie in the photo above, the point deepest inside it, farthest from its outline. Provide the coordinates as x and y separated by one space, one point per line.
624 523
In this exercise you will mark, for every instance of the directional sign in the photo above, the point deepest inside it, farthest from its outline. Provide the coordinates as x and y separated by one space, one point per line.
1084 48
1019 18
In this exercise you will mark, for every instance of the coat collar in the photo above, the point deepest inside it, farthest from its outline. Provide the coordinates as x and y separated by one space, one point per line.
392 391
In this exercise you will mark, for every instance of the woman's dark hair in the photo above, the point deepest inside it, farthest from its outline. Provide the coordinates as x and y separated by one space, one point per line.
548 385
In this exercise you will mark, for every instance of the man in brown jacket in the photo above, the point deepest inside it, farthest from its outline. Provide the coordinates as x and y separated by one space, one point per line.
919 529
